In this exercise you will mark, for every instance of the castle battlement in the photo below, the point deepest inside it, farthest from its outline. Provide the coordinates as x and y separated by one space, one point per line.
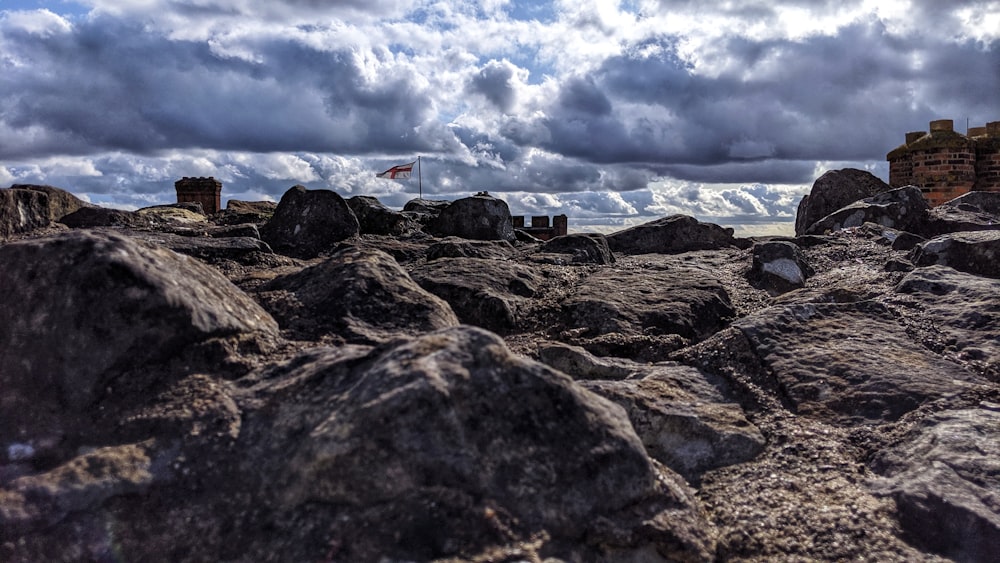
540 227
945 164
206 191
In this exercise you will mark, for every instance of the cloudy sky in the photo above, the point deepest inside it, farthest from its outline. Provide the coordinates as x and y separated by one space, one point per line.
611 112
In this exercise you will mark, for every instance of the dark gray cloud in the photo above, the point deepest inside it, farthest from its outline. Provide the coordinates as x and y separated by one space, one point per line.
494 81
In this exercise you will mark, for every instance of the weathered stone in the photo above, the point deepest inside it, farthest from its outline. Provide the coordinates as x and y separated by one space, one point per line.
671 235
491 294
454 247
964 311
92 307
206 248
61 202
478 446
679 412
174 213
684 302
91 217
834 190
945 479
974 211
377 219
849 363
428 206
904 209
580 248
362 296
481 217
976 252
307 223
237 212
778 267
22 211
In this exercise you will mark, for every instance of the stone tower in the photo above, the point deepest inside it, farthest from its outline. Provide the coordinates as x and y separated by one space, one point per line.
945 164
206 191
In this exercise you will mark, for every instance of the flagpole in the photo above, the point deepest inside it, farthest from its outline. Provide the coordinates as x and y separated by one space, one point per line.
420 179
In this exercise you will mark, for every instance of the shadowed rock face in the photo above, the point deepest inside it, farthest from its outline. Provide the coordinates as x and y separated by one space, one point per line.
359 295
480 217
22 211
904 209
309 222
976 252
670 235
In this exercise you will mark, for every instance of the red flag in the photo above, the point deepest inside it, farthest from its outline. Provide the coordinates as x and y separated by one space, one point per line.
400 172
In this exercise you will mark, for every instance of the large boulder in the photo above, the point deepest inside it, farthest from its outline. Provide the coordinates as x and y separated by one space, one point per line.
91 314
976 252
239 212
492 294
480 217
944 476
359 295
22 211
208 248
61 202
903 208
778 267
375 218
834 190
307 223
439 446
671 235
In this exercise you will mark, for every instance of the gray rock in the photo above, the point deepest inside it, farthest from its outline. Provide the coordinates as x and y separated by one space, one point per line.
904 209
377 219
580 248
456 442
834 190
671 235
975 252
362 296
481 217
307 223
239 212
454 247
61 202
428 206
964 311
682 417
673 306
581 364
778 267
91 217
974 211
206 248
688 432
849 363
22 211
95 313
945 479
492 294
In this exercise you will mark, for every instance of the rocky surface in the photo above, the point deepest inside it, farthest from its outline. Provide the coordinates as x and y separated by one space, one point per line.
22 211
660 398
481 217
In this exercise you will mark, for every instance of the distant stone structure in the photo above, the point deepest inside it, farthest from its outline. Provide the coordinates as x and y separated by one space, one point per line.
945 164
540 227
206 191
